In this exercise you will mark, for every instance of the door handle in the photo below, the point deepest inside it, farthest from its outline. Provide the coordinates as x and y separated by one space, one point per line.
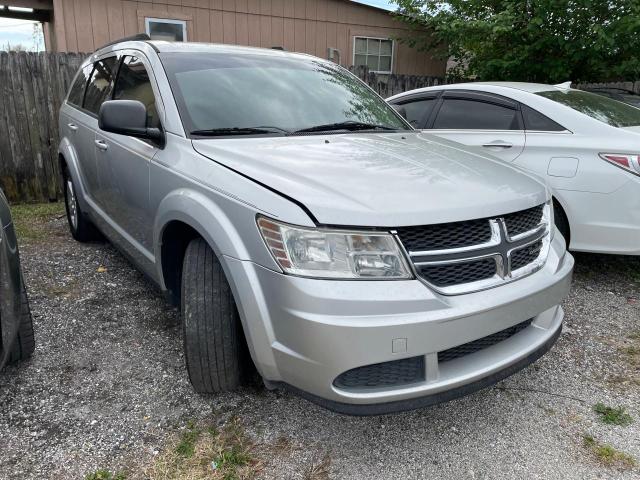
498 145
73 127
101 145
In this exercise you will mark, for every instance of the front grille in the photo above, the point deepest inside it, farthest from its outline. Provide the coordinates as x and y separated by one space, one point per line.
524 256
481 343
451 255
383 375
456 273
445 235
524 221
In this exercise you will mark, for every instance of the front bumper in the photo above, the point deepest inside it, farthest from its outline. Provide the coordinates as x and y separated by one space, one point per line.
305 332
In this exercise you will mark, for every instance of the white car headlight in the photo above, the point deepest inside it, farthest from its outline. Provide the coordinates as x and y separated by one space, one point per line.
323 253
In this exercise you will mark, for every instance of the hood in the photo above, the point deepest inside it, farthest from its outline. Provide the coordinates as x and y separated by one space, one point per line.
384 180
634 129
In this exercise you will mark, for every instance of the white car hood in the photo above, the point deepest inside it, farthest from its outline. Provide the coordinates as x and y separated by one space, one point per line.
384 180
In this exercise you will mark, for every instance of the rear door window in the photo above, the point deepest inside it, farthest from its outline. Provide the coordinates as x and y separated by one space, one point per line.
76 94
101 84
133 84
466 114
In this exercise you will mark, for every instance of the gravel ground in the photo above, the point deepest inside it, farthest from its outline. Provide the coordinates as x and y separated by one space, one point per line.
107 388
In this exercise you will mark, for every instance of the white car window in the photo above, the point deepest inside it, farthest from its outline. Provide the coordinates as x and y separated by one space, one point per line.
458 114
607 110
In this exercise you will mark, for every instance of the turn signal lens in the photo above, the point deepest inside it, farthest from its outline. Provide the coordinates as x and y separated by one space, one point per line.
630 162
323 253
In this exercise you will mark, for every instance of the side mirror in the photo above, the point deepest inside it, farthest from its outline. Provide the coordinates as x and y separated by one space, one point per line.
128 117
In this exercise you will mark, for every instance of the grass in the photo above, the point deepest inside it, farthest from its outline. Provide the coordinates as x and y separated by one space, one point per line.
607 455
612 416
105 475
207 453
187 445
29 219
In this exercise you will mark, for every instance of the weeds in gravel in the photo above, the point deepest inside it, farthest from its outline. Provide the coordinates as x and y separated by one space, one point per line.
612 416
206 453
607 455
319 471
29 218
105 475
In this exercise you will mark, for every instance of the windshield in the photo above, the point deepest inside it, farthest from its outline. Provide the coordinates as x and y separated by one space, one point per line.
607 110
246 93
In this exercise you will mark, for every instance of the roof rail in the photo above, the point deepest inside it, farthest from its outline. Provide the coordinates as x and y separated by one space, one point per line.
140 37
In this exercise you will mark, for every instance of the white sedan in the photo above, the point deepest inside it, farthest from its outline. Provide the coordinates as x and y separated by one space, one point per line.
586 145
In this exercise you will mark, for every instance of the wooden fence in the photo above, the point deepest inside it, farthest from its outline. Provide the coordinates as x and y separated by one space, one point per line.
32 86
387 85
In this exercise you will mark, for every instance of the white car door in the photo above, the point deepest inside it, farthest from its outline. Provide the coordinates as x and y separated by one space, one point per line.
490 122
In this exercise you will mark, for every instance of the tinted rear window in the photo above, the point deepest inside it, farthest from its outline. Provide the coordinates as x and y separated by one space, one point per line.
607 110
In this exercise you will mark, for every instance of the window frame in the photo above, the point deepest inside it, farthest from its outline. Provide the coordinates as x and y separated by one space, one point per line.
379 72
116 71
123 55
475 96
171 21
430 95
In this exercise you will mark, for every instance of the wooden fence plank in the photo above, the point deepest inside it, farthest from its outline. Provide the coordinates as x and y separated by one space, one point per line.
32 87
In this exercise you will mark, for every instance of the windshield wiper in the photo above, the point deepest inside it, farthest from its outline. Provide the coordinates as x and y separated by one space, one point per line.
219 132
349 125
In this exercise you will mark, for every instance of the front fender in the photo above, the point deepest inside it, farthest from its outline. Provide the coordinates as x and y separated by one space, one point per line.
210 221
70 155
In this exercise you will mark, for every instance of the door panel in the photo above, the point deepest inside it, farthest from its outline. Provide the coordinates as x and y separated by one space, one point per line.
478 121
506 145
123 162
123 166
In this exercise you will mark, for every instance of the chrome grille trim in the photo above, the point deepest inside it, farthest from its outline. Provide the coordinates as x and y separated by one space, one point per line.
500 247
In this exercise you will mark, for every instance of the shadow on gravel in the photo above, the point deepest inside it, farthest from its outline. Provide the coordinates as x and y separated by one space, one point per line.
107 389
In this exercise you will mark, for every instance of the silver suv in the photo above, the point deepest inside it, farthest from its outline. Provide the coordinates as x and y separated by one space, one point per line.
302 226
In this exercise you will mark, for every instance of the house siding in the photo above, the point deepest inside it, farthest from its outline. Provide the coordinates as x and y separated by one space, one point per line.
310 26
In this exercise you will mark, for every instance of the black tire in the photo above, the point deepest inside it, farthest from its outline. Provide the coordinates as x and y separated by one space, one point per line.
213 338
80 227
562 222
25 343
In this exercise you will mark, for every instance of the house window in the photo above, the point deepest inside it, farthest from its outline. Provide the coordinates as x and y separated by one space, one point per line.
375 53
165 29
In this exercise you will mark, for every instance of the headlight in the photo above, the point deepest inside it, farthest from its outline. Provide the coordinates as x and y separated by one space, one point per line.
315 252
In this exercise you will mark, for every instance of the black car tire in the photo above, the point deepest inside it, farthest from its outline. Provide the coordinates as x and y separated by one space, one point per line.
25 343
80 226
213 336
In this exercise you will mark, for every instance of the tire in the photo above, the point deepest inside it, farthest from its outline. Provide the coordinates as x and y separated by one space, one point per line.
25 343
80 227
213 339
562 222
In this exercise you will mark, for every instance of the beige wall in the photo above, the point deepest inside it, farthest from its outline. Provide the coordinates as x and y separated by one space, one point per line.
309 26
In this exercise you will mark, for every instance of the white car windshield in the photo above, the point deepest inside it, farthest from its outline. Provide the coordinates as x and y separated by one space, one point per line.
264 94
607 110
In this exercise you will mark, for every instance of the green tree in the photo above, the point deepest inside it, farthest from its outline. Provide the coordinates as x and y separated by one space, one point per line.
547 41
